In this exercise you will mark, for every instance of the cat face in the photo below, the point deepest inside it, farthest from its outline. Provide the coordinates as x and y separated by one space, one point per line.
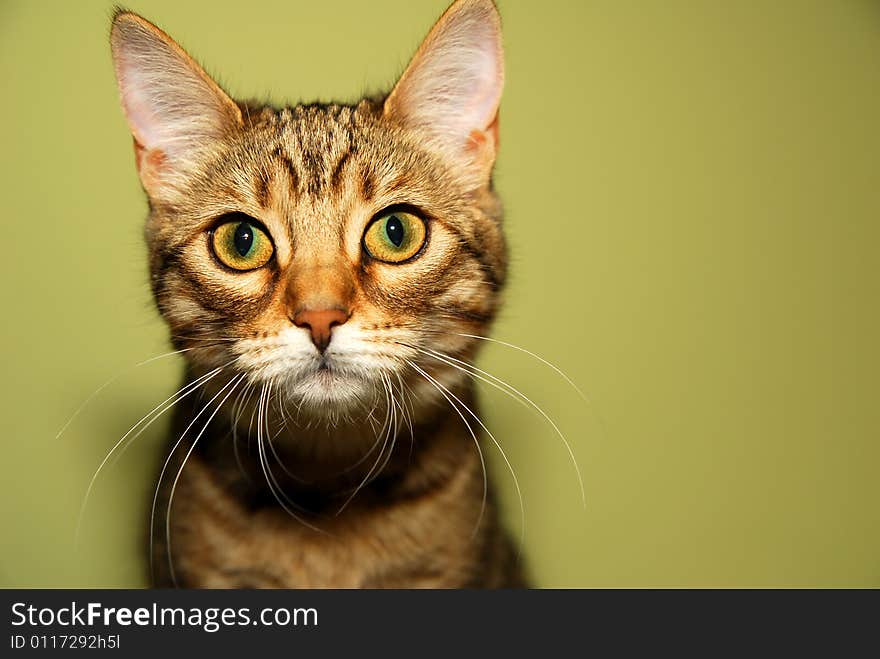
323 249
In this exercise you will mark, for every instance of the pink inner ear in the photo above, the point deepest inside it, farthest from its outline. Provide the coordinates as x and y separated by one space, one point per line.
480 140
488 81
170 102
141 120
149 163
171 109
453 85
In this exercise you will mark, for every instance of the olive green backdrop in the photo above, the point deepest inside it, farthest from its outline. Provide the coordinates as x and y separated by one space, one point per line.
692 195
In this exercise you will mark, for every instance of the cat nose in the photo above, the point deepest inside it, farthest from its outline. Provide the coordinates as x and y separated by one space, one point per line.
320 323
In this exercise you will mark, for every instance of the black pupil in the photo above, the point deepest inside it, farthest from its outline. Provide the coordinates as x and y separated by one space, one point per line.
243 239
394 230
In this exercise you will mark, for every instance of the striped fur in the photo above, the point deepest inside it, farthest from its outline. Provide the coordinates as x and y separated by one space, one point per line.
315 176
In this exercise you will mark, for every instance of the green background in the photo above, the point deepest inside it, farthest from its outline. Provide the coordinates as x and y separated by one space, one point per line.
692 198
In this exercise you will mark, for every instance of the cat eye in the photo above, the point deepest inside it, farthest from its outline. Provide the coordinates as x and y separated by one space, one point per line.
241 244
395 237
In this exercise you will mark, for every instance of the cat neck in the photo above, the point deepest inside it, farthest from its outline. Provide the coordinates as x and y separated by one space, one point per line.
321 462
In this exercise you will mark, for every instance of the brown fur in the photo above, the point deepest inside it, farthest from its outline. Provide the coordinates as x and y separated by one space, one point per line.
347 468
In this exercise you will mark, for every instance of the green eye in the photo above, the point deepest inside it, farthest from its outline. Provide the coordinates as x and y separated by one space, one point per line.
241 245
395 237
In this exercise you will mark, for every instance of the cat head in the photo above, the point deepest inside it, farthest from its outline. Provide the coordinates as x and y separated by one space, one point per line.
325 249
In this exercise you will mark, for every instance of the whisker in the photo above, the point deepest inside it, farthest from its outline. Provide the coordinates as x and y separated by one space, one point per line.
379 434
279 403
178 395
467 424
371 419
165 468
394 422
236 380
272 448
116 377
513 392
558 370
408 413
274 487
237 410
387 432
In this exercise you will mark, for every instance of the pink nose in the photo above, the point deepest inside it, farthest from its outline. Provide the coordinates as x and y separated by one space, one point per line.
320 323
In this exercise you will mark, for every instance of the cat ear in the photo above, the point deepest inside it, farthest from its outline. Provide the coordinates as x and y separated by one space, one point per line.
452 87
173 108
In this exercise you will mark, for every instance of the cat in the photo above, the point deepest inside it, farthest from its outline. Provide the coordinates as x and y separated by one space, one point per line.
326 270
